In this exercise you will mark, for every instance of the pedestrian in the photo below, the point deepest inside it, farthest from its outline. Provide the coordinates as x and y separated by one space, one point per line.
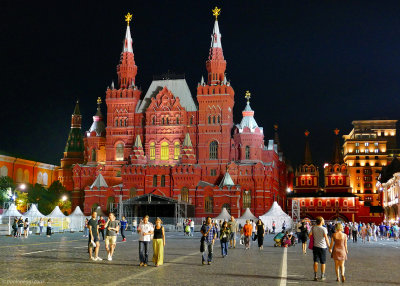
94 241
273 227
158 243
347 230
396 232
48 232
124 226
20 226
209 233
364 233
381 231
191 227
233 226
145 230
112 228
247 230
254 230
354 232
284 226
369 232
224 236
102 226
260 234
134 225
26 228
15 227
320 245
339 251
303 236
86 229
41 225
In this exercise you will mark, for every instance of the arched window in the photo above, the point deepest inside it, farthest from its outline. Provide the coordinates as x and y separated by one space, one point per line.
110 204
185 195
177 150
191 120
26 176
320 203
247 152
177 120
119 152
164 151
152 151
303 203
93 157
153 121
20 175
208 205
311 203
213 119
39 178
209 119
162 180
155 181
163 121
227 206
116 122
126 121
213 150
345 203
94 207
120 122
336 203
132 192
328 204
246 199
167 120
218 119
333 180
4 171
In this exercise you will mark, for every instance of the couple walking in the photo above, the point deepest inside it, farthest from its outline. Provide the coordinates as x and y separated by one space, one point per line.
148 232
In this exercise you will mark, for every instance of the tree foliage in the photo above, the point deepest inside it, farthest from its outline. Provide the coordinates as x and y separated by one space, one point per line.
6 183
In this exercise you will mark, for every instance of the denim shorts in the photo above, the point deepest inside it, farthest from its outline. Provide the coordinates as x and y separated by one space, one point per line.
319 255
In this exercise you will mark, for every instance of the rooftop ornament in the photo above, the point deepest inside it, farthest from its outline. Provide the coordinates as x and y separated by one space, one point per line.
216 11
128 18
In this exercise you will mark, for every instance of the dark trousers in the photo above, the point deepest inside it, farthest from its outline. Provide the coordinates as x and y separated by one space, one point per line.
102 232
354 233
144 251
123 233
48 230
224 248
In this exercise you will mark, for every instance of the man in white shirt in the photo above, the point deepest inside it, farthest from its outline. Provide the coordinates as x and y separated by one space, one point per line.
321 243
145 230
191 227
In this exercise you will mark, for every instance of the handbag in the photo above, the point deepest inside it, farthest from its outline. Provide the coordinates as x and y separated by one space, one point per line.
255 237
311 244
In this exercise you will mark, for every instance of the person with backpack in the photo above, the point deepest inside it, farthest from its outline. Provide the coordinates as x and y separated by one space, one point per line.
209 233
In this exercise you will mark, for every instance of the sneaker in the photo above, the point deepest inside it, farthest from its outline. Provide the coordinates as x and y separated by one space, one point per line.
145 265
109 258
203 262
209 262
98 259
124 239
323 277
92 258
315 279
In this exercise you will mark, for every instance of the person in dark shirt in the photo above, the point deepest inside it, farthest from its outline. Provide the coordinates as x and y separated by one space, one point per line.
124 226
102 226
94 238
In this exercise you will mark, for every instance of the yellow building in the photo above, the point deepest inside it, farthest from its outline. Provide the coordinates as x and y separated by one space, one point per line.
366 150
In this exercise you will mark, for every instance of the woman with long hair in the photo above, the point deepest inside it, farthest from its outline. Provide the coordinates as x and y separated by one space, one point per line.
158 243
303 236
224 235
339 251
260 233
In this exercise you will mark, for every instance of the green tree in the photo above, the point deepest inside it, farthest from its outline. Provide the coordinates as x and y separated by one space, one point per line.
6 185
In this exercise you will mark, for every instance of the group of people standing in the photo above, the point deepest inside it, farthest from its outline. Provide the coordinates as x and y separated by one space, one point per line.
20 227
146 230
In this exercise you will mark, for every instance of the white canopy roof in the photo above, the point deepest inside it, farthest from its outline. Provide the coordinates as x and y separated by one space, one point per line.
12 211
77 212
246 215
224 215
33 212
99 182
277 215
56 213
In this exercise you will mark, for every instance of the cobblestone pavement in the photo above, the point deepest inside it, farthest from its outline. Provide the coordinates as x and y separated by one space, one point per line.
63 260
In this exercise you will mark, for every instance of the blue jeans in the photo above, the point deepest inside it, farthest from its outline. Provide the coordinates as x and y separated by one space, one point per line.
209 249
191 231
144 251
224 248
86 231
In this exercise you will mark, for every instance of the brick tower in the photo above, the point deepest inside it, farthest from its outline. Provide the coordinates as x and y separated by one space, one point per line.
216 101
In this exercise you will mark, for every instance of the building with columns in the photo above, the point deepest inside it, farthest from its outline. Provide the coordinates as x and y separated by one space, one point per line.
167 147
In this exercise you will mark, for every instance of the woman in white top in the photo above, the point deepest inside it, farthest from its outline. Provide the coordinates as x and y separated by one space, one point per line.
41 225
26 228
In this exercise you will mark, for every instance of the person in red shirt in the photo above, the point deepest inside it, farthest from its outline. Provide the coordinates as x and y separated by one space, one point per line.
102 226
347 230
246 231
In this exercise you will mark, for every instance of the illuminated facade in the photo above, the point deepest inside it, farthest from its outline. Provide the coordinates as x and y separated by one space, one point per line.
389 184
167 143
366 149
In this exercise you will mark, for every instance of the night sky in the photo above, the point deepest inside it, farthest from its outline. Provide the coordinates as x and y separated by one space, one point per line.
315 65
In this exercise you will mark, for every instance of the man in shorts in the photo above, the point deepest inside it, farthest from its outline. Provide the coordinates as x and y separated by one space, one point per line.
112 228
321 243
233 226
94 237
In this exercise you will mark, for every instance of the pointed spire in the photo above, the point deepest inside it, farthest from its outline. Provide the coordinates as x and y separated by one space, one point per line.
112 85
337 152
187 142
138 142
307 151
77 110
276 137
127 47
202 80
98 125
248 116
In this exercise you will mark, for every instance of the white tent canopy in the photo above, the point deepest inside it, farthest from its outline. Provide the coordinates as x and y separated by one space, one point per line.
277 215
224 215
77 212
60 222
56 213
12 211
77 220
247 215
33 212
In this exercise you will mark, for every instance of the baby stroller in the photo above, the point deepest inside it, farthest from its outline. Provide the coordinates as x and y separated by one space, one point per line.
278 239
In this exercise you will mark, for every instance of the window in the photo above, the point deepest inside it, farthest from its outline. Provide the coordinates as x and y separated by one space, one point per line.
152 151
153 121
20 175
357 151
367 179
376 150
126 121
333 181
357 144
246 199
162 180
368 185
208 205
309 182
110 204
366 144
209 119
3 171
303 203
132 193
167 120
303 181
163 121
357 164
214 150
311 203
120 122
191 120
336 203
155 181
367 171
213 119
185 195
116 122
328 204
164 151
357 157
376 144
177 150
213 172
119 152
93 156
366 157
247 152
218 119
320 203
357 171
345 203
366 151
45 179
177 120
39 179
340 181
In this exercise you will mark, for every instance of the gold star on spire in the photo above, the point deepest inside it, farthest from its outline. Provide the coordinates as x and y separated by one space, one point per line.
216 12
128 18
99 100
248 95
